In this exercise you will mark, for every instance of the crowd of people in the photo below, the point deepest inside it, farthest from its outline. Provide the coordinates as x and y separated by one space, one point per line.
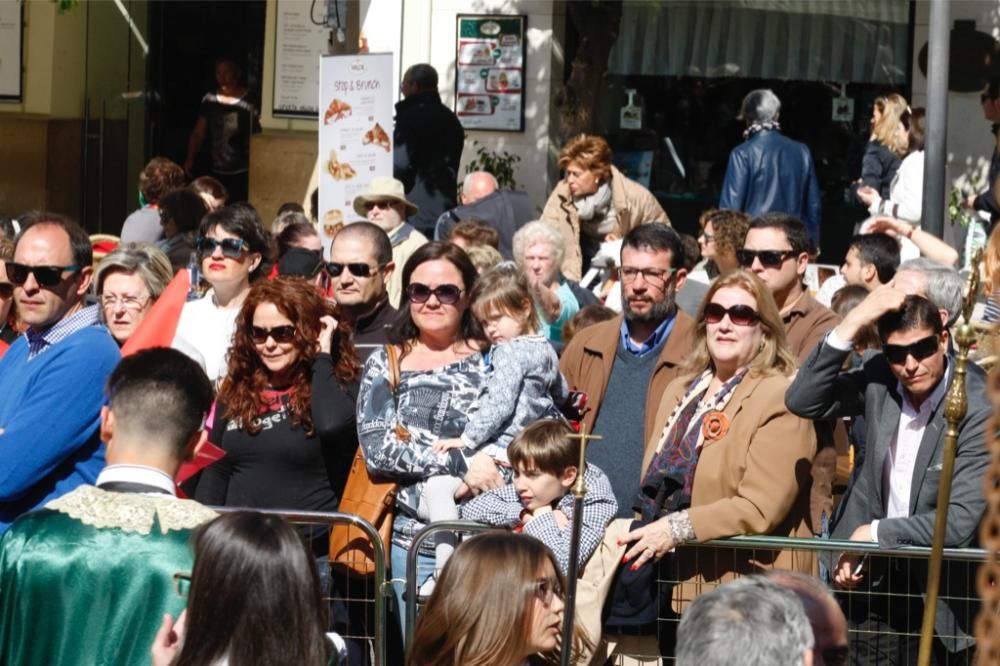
722 389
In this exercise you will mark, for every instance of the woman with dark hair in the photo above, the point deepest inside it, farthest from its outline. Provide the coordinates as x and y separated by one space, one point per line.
499 603
254 599
285 411
181 213
211 191
442 367
232 245
8 315
299 233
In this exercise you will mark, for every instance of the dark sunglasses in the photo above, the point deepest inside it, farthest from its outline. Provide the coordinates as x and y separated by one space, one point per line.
768 258
447 294
6 289
231 247
280 334
919 350
740 315
384 205
45 276
357 270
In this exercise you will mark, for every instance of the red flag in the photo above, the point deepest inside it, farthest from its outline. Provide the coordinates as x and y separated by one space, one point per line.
160 325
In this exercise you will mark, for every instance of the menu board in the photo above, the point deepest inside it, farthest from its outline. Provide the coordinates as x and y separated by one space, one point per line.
489 72
355 133
10 50
298 45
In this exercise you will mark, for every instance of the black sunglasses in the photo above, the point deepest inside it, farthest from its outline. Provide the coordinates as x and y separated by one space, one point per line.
919 350
357 270
740 315
280 334
45 276
768 258
447 294
231 247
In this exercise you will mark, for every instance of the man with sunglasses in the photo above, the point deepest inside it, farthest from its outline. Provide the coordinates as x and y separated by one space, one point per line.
360 267
93 571
53 376
385 206
892 498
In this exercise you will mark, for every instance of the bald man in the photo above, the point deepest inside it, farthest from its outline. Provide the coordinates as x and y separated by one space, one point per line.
483 200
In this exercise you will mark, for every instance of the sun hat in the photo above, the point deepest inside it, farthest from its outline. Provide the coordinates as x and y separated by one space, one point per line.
380 189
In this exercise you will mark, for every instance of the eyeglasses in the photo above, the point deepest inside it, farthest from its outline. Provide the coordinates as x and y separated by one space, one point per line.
740 315
546 589
6 290
446 294
919 350
384 205
182 583
707 236
133 303
835 656
231 247
45 276
280 334
357 270
768 258
651 275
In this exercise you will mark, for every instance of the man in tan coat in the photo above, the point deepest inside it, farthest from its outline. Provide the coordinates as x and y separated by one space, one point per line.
624 365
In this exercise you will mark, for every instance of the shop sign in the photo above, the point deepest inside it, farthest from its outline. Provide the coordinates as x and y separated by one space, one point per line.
489 72
10 50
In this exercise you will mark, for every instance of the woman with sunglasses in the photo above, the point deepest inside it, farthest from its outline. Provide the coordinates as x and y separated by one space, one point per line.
285 411
232 245
127 283
499 603
442 369
8 316
728 458
722 233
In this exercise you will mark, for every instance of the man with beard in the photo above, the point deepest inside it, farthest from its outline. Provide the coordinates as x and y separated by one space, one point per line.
624 365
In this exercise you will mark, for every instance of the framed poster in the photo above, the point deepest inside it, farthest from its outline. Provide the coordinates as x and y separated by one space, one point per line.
11 33
356 96
489 72
298 45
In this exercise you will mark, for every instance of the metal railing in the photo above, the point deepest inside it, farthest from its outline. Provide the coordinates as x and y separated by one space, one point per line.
363 597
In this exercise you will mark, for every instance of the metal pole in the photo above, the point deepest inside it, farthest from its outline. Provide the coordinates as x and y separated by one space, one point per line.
955 408
936 143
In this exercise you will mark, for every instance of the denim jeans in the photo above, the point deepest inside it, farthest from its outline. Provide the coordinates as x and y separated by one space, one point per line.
397 563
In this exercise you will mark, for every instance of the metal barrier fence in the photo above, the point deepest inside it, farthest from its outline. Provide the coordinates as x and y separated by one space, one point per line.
895 602
358 603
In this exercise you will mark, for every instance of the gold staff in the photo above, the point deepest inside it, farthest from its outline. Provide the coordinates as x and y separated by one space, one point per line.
955 407
579 491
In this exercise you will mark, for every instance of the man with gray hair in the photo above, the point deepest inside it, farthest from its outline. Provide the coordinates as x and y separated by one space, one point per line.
768 172
750 620
483 200
941 285
828 623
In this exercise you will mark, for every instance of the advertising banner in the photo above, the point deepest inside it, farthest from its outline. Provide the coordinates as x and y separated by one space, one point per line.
356 106
489 72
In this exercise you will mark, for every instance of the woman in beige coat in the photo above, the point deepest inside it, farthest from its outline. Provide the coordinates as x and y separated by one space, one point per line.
728 457
595 202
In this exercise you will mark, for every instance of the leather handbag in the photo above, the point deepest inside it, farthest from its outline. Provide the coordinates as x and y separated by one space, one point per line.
370 497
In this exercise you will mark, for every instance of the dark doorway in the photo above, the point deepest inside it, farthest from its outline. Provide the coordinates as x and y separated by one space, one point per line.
187 37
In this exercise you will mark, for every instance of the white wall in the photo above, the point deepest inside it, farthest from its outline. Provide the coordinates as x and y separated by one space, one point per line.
970 143
429 36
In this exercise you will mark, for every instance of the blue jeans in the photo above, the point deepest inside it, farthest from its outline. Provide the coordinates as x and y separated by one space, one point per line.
397 564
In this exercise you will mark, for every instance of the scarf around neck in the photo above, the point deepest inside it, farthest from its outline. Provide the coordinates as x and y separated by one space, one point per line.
760 127
595 211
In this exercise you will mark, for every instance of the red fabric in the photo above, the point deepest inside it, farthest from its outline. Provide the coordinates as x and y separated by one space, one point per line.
105 246
207 454
3 348
160 325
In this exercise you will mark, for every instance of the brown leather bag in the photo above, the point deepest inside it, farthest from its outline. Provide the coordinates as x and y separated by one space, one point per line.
370 497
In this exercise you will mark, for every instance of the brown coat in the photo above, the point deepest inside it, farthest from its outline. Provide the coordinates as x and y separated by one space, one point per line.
633 203
754 480
806 324
588 358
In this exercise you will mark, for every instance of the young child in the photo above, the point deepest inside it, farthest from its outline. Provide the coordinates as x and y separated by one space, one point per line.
523 385
538 501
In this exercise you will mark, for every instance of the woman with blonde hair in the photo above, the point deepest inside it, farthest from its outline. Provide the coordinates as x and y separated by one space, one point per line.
886 146
127 283
499 602
595 202
728 457
722 233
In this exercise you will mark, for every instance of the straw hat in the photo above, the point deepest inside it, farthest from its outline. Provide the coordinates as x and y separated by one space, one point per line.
380 189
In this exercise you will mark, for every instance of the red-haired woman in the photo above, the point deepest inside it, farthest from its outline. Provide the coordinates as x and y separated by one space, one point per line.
285 411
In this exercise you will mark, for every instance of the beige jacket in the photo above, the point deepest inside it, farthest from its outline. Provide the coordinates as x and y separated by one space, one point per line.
403 246
634 204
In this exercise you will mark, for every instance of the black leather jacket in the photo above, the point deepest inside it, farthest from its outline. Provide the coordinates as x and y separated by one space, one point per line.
771 173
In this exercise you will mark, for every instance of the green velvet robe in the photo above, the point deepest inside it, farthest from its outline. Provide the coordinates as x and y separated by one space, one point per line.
88 578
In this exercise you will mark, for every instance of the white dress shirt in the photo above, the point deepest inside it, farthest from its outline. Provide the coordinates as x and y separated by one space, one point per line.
143 474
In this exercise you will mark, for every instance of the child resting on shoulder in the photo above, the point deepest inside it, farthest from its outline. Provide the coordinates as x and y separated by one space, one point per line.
538 501
522 386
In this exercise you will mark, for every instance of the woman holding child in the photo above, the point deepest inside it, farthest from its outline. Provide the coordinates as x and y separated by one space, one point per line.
729 458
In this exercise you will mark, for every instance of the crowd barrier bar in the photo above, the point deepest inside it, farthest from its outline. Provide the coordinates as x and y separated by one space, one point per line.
381 587
461 526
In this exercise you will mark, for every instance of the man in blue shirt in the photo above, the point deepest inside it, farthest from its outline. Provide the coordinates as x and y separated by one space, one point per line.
53 377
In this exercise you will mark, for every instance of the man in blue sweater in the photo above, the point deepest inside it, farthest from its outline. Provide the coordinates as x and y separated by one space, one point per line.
52 389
